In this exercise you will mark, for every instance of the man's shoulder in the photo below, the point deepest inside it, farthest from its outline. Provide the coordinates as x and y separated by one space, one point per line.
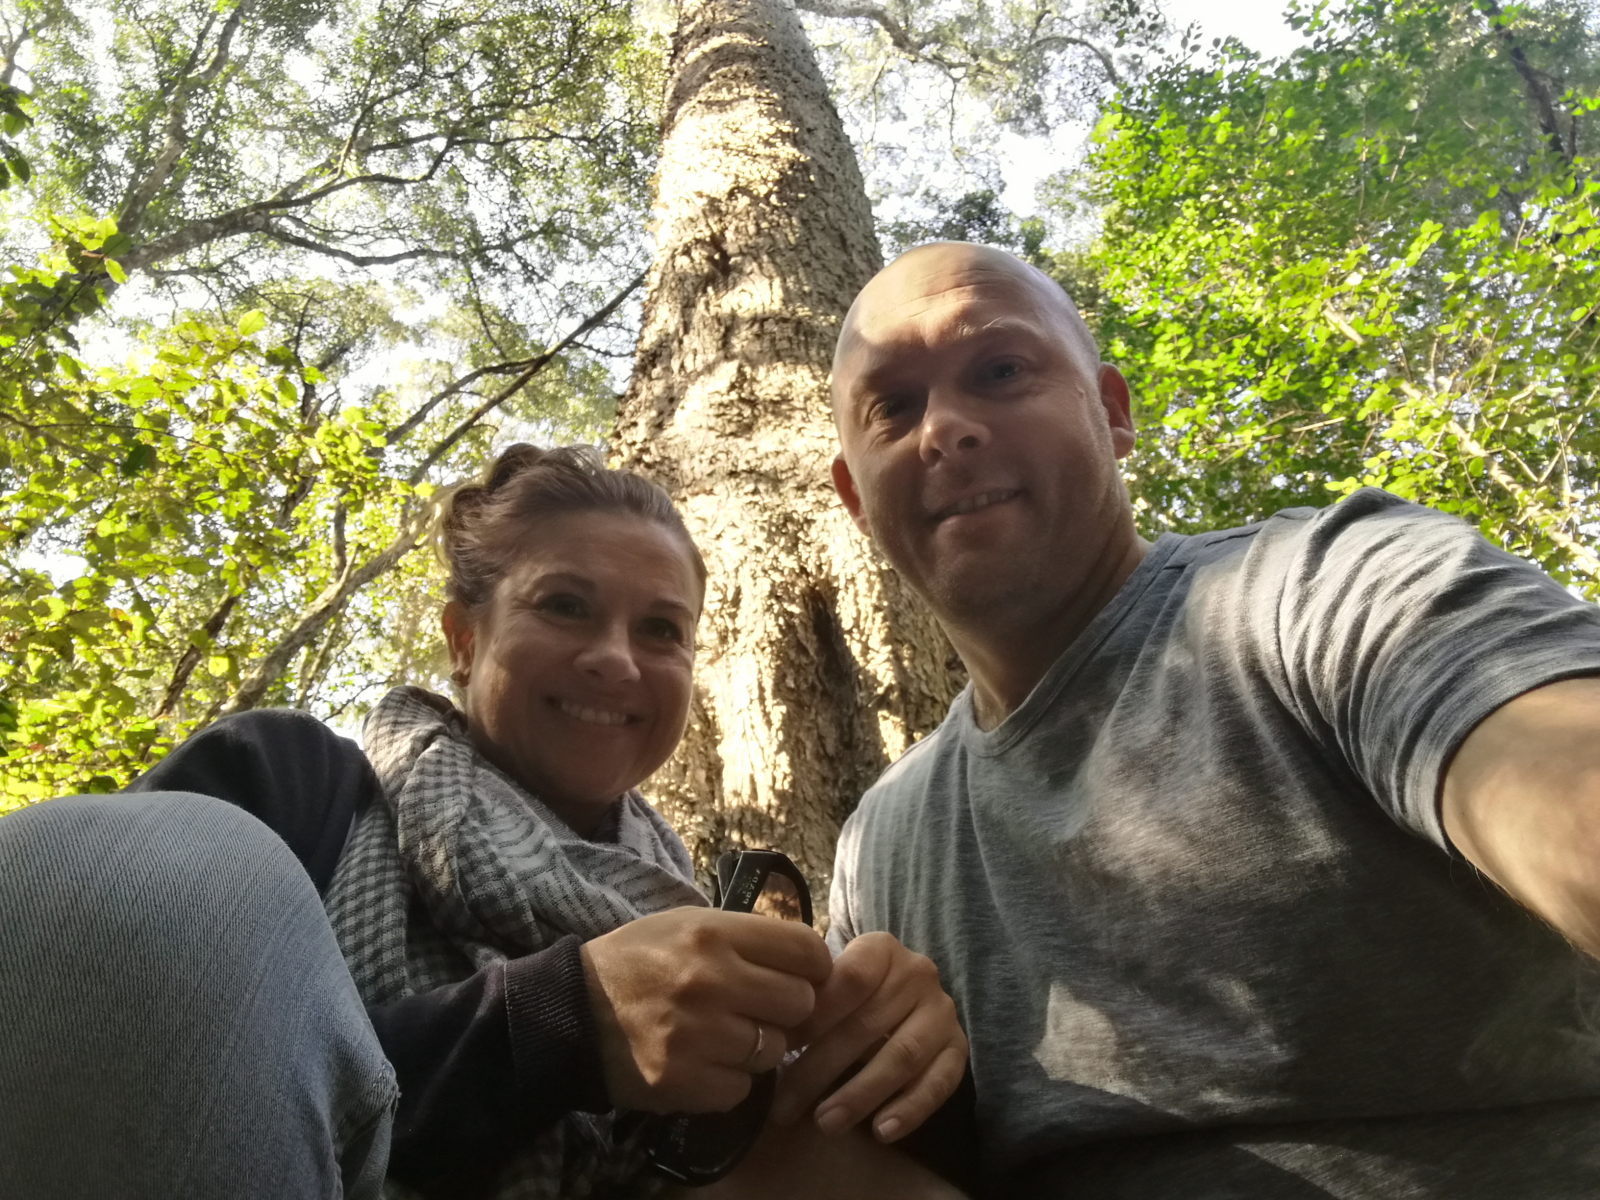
910 775
1367 513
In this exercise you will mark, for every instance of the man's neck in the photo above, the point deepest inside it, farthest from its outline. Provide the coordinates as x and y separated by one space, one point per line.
1006 663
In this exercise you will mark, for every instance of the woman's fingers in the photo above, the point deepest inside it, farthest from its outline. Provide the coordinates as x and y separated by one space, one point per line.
764 1047
787 946
678 998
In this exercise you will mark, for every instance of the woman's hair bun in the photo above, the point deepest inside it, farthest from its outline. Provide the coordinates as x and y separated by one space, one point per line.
482 520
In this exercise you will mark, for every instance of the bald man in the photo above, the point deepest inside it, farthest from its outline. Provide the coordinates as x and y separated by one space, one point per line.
1207 852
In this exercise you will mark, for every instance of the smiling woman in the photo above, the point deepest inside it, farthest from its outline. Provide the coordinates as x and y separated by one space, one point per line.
481 943
574 594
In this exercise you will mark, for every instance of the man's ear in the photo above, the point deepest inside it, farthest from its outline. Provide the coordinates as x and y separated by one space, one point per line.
459 634
844 483
1117 401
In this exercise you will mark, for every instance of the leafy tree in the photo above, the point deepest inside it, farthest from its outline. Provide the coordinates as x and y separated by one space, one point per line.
1033 63
1376 262
927 90
976 216
284 269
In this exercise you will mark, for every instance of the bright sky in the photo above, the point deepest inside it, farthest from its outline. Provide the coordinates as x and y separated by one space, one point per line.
1258 24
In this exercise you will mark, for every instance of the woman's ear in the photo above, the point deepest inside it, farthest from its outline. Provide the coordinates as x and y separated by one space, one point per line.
459 632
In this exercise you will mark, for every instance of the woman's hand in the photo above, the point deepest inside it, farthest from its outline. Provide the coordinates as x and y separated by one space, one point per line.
692 1002
884 1000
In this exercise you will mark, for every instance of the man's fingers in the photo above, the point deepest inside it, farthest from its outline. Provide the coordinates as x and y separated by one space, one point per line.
911 1075
924 1097
857 974
805 1080
897 1061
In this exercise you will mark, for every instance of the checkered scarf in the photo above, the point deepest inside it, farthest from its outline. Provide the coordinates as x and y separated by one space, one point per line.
460 868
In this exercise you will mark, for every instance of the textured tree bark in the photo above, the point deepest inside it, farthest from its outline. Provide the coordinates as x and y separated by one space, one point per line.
816 667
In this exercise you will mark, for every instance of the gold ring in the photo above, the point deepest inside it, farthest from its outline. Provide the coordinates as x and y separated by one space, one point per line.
755 1051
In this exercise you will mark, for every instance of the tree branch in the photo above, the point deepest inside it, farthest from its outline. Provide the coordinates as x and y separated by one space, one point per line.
190 658
1055 40
323 609
466 424
1538 92
899 36
177 140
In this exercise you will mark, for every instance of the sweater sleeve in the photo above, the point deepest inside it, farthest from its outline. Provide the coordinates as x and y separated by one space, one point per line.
482 1063
302 780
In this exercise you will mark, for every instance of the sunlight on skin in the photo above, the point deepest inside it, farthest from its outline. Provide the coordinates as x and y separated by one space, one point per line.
801 1163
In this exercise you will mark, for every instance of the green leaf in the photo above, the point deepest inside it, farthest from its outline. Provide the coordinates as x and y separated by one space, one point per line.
140 458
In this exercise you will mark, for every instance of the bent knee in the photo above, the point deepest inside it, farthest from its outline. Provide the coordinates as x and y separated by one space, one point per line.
107 838
149 867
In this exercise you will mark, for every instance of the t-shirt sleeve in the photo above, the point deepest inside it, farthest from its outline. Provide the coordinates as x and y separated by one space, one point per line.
841 919
1401 628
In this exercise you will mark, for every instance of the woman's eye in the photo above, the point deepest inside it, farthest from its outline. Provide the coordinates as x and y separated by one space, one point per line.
664 629
563 605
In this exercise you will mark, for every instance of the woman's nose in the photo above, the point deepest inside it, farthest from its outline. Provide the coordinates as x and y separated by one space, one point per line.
608 656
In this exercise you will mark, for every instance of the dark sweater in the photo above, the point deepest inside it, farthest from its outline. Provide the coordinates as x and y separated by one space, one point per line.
482 1063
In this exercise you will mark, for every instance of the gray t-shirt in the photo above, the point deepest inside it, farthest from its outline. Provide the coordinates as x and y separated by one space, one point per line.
1193 898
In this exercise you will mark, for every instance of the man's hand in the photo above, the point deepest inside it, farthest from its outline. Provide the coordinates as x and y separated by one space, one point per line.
678 998
884 1000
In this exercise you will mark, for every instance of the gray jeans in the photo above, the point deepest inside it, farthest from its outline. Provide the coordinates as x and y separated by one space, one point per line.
175 1016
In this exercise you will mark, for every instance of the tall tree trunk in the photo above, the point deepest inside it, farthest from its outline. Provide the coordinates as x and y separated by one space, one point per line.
816 666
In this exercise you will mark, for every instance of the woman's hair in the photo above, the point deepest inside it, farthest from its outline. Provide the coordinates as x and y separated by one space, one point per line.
477 533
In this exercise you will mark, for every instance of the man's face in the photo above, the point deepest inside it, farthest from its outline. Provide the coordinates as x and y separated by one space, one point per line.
979 435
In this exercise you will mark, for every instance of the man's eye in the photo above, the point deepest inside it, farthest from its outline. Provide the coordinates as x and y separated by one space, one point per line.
887 408
1003 370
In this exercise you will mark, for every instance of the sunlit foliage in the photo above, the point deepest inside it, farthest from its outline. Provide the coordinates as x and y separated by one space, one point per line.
1377 262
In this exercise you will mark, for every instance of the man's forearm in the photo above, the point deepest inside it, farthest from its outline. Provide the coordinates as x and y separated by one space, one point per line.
1521 802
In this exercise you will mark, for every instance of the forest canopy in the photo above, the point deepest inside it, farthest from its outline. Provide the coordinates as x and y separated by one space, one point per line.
275 272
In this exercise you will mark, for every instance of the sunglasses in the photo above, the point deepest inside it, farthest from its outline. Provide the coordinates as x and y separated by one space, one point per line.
700 1148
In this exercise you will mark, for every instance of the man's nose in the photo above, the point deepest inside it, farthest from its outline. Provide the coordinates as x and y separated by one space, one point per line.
608 655
951 423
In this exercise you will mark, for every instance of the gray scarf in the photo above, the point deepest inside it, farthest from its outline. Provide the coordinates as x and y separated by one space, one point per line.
460 868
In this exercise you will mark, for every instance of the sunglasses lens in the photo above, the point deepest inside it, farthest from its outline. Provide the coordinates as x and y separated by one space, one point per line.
779 898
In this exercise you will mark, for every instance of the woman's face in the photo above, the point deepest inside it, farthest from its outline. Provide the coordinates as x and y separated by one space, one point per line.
577 673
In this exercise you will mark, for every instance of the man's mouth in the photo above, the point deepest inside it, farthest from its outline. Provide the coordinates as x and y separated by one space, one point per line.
977 502
593 716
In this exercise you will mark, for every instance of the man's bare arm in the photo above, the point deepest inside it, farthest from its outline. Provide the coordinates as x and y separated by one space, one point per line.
1522 803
